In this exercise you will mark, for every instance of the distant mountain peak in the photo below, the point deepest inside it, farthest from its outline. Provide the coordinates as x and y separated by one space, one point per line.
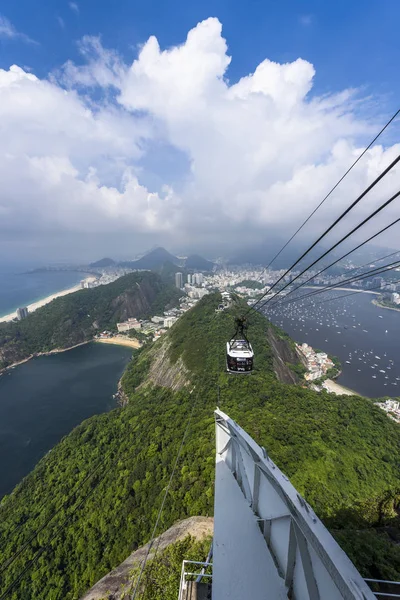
103 262
157 257
198 263
160 251
154 259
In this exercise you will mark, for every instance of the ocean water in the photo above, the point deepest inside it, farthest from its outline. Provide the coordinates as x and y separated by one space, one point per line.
44 399
365 337
20 289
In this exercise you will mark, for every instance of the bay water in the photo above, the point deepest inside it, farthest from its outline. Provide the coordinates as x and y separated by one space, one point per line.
365 337
43 399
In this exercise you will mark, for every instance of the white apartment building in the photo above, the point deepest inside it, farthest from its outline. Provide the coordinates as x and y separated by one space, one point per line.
128 325
169 321
395 297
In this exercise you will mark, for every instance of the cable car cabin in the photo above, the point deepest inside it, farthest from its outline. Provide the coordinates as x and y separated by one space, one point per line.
239 356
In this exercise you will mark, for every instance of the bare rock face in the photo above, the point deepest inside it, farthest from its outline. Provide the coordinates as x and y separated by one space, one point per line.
165 373
283 354
135 301
116 584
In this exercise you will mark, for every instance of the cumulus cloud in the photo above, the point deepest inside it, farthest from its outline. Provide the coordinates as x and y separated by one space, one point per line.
260 152
56 154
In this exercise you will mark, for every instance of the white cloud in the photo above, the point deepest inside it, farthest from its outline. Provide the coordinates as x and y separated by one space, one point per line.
8 31
261 152
74 7
61 22
102 67
52 152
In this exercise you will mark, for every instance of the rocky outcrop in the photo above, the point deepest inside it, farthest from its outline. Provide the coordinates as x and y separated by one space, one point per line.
136 301
116 584
283 353
165 373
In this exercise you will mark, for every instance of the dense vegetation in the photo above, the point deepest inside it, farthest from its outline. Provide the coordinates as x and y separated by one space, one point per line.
77 317
161 576
342 453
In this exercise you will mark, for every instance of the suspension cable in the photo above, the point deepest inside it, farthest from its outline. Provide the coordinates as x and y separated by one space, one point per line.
347 295
372 273
370 262
344 213
333 189
371 216
340 258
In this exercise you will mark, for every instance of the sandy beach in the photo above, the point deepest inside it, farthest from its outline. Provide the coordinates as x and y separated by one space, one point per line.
119 340
35 305
339 390
342 289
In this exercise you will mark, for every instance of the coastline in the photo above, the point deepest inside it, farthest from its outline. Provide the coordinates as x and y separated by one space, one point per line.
40 303
335 388
120 341
37 354
376 303
116 340
342 289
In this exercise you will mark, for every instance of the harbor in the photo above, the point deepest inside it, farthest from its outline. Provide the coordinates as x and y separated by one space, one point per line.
362 335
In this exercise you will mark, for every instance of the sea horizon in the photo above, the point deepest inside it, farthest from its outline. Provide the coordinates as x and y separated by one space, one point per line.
19 287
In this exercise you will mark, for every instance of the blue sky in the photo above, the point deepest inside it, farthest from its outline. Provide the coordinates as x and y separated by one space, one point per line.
349 43
187 147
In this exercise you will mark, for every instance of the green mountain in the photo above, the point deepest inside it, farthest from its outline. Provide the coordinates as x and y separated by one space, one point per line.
77 317
94 498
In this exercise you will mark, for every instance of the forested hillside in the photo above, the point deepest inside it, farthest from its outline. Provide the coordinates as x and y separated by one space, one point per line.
341 453
77 317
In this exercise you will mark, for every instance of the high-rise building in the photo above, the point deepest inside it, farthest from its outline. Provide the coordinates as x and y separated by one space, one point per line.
189 278
197 278
377 281
22 313
179 280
